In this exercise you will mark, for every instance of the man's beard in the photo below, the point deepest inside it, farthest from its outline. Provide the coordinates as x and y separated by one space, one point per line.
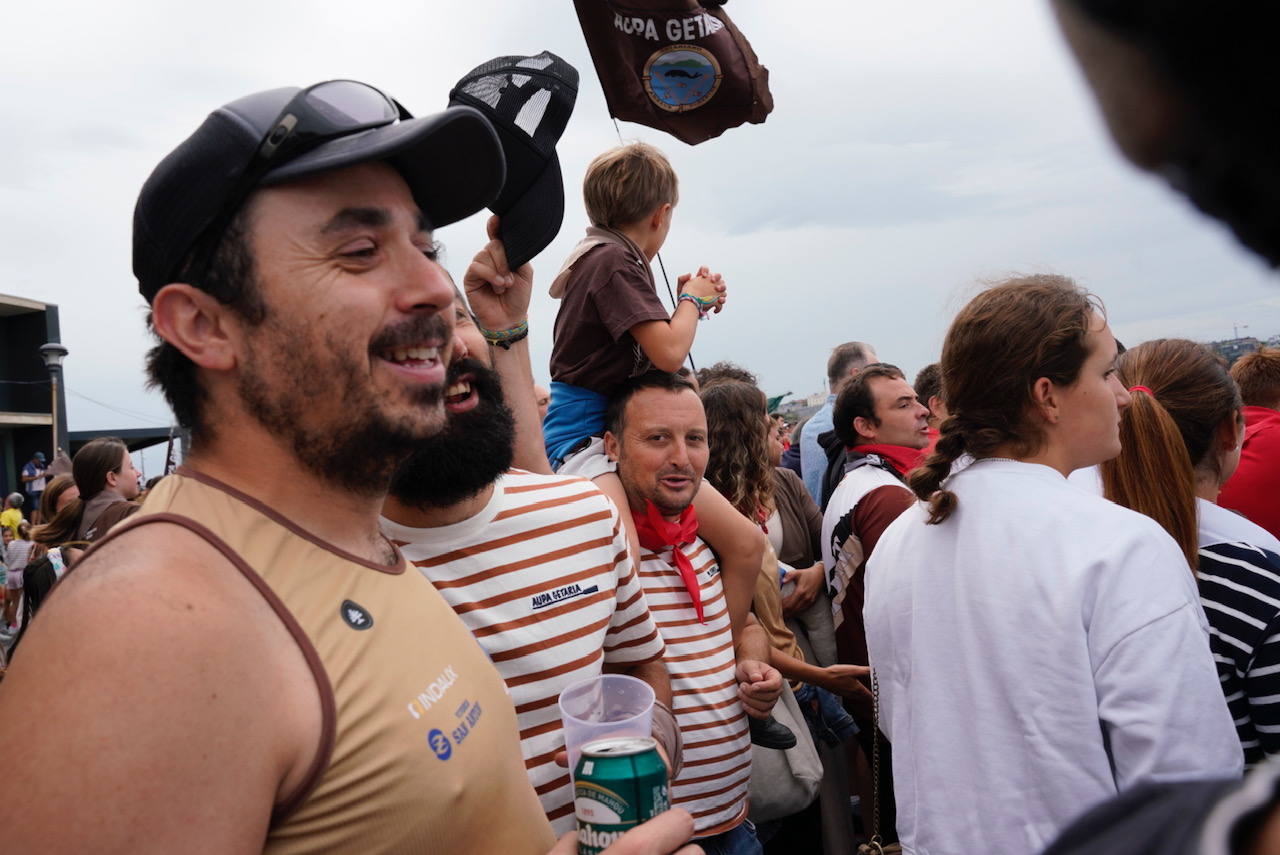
468 455
359 450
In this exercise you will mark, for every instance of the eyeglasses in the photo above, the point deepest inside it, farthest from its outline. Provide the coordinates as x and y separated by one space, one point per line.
317 114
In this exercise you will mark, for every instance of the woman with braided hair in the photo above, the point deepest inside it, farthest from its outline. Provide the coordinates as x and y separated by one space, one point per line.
1035 648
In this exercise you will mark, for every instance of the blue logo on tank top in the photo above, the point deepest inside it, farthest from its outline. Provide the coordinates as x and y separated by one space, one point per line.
440 744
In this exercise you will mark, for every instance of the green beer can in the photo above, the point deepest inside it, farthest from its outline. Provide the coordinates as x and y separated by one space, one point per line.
619 783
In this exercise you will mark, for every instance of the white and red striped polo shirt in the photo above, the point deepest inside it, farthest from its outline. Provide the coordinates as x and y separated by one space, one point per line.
542 578
712 786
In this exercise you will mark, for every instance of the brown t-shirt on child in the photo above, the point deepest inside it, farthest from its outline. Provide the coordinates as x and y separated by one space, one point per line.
609 291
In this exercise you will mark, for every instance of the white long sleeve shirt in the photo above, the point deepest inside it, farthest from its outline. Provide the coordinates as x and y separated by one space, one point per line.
1037 652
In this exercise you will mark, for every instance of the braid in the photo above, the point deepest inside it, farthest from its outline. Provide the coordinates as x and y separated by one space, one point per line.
926 480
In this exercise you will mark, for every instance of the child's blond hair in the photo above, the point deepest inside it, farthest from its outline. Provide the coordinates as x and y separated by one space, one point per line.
628 183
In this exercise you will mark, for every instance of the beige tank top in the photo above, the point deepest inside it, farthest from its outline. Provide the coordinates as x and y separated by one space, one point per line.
419 751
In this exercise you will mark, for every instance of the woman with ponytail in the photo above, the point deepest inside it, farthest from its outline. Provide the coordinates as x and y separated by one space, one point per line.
1182 435
1035 648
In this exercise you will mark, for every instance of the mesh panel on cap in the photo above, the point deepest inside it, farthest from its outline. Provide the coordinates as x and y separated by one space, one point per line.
537 103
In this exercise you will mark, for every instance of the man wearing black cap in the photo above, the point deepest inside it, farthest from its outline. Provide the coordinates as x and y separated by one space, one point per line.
246 665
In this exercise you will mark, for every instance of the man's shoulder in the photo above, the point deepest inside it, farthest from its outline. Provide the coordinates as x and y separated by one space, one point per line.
541 493
858 483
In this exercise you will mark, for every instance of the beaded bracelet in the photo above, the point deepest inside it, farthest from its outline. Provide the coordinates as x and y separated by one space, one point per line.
505 338
702 304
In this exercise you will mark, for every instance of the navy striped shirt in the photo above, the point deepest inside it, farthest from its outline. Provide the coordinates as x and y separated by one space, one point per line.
1240 589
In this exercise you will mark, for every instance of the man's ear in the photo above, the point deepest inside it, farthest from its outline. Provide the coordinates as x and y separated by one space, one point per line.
611 446
863 427
197 324
1045 401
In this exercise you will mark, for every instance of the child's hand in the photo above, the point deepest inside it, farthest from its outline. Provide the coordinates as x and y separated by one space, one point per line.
498 296
704 285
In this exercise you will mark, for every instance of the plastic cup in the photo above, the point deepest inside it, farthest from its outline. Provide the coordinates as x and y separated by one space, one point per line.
604 706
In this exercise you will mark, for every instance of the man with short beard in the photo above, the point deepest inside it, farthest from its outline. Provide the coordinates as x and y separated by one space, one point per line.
536 565
246 665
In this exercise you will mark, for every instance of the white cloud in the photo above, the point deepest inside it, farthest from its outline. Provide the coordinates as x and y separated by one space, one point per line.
914 148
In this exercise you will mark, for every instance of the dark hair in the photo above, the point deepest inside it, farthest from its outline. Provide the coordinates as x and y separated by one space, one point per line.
615 415
60 526
1258 376
929 383
844 358
1223 152
226 273
855 400
1168 434
737 436
1000 344
95 459
724 371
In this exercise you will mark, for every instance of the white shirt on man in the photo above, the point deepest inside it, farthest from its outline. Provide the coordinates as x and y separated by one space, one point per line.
1037 652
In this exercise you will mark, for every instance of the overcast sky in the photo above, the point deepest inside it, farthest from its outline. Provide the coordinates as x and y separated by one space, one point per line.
914 151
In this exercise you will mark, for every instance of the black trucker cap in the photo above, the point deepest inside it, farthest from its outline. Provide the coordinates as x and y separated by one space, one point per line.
452 162
529 99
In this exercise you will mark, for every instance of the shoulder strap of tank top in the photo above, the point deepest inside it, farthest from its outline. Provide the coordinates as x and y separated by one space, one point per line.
328 714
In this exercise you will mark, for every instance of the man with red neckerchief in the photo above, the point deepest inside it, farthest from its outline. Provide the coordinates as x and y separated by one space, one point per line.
657 433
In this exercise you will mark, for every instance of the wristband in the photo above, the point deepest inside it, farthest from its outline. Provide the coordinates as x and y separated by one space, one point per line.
699 303
505 338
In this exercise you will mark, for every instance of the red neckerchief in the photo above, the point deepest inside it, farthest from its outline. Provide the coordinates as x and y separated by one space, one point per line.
899 456
658 534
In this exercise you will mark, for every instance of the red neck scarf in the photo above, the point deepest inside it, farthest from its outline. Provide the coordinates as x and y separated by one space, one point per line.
899 456
658 534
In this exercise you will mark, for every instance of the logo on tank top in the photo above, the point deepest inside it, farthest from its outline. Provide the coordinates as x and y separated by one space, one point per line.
355 615
439 742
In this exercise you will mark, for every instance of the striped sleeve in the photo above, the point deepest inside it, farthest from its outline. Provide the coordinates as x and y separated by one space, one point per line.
1240 591
633 637
1262 687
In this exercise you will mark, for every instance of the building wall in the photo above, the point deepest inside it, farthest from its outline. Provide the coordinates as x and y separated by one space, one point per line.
24 385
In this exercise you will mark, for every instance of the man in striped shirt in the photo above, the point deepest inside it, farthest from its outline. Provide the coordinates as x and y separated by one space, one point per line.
658 435
536 565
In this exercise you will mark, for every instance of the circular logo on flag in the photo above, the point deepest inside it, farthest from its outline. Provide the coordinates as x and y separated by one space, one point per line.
681 77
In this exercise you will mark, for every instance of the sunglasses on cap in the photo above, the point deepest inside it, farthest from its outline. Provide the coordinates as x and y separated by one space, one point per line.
317 114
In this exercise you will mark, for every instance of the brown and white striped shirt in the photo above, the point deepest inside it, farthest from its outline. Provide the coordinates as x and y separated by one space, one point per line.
712 786
542 578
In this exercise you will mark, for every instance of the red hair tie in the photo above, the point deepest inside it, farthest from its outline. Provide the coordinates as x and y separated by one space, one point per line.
1142 389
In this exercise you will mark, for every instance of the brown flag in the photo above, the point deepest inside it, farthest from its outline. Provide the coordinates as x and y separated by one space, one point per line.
680 67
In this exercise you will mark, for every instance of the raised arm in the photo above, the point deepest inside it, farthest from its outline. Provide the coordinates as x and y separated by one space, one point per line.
667 343
499 297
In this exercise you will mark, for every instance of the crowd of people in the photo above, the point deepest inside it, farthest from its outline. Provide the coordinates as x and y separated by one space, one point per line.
1027 602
